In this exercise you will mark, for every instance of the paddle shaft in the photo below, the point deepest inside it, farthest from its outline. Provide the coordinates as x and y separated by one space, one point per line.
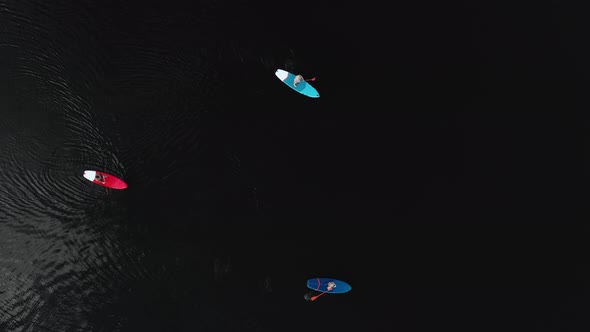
313 298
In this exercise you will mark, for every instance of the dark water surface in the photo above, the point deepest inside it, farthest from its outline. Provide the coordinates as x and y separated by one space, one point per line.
430 174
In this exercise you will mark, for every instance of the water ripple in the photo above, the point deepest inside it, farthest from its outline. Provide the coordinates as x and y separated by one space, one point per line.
62 254
85 90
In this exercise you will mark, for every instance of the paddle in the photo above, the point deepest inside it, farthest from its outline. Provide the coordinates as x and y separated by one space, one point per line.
313 298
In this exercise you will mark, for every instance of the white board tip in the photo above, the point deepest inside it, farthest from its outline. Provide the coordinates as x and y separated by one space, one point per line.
89 175
282 74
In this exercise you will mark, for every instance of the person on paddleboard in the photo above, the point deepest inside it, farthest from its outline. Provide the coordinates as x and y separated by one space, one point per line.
317 292
331 285
298 79
99 177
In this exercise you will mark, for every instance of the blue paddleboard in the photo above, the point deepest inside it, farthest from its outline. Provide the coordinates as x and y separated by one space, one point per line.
321 284
303 88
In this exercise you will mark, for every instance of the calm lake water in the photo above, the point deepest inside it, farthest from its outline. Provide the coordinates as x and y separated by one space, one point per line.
429 174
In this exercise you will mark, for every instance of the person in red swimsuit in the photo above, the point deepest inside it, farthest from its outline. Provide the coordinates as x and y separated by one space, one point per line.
99 177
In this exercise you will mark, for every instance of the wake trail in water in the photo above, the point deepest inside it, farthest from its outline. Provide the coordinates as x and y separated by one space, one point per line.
62 255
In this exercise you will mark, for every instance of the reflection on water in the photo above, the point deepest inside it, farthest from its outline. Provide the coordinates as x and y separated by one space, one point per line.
82 90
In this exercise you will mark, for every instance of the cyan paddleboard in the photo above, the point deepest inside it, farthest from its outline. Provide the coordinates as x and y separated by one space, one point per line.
303 88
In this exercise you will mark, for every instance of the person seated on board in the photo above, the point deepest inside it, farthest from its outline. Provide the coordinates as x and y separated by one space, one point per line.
298 79
99 177
331 285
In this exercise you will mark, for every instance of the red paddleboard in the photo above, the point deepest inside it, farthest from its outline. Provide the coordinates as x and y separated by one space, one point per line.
105 179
